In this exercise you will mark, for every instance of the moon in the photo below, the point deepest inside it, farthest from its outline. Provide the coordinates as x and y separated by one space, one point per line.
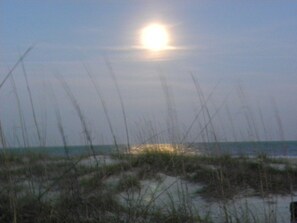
154 37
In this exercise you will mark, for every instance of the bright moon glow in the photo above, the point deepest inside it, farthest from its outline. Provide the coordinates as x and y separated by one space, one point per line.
155 37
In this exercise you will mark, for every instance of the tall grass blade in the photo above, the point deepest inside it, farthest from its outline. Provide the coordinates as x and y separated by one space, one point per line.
113 76
15 65
103 104
81 117
24 130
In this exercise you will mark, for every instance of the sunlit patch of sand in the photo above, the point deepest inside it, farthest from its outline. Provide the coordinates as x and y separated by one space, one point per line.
168 148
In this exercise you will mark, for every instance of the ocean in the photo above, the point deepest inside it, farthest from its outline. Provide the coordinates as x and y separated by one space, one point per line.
269 148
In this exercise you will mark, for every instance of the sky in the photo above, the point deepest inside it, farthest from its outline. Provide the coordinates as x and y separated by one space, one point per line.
229 75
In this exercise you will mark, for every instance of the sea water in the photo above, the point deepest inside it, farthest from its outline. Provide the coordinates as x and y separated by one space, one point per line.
269 148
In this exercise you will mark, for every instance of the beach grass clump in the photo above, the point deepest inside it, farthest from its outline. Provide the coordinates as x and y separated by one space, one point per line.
93 179
98 207
158 161
237 175
175 216
10 158
128 183
24 209
112 169
91 183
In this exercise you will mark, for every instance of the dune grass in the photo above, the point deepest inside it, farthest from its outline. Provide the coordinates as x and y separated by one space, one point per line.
88 196
40 188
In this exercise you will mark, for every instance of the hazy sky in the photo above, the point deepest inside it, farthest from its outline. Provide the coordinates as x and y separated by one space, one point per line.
241 53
